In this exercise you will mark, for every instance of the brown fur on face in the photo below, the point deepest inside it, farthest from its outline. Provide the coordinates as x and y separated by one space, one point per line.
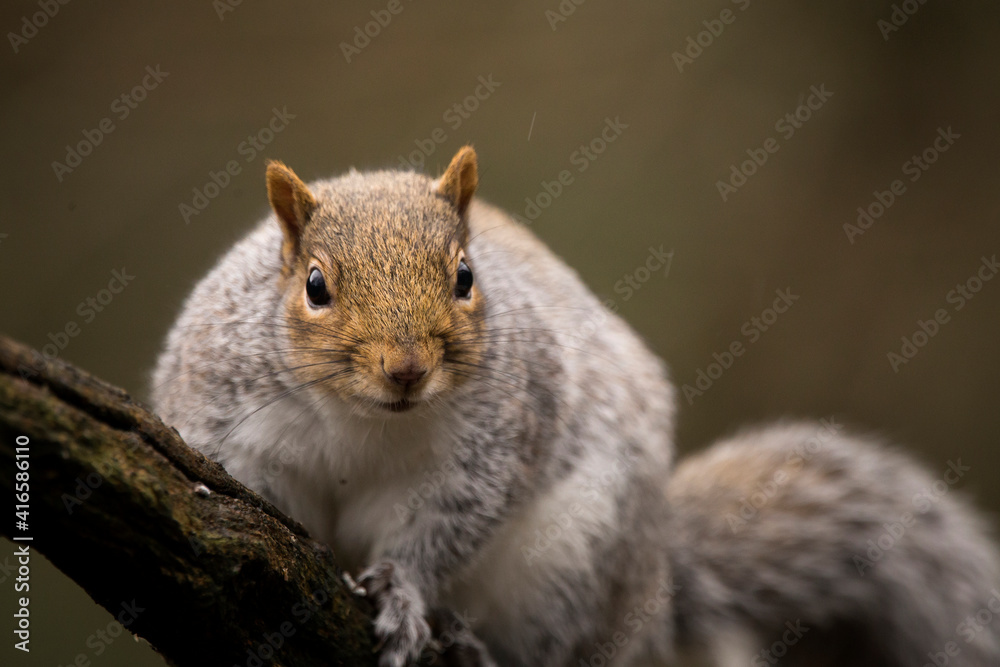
388 245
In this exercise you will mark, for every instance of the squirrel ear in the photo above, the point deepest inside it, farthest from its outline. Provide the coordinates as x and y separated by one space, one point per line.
460 179
292 202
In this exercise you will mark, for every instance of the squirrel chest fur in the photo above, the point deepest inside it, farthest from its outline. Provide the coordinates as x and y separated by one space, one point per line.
412 375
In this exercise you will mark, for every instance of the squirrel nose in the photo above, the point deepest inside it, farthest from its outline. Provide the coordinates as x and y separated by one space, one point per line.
405 374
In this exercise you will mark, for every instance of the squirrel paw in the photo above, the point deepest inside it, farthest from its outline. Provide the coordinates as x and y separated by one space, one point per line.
399 624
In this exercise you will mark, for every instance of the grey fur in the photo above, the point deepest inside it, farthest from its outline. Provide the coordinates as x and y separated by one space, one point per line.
802 523
532 497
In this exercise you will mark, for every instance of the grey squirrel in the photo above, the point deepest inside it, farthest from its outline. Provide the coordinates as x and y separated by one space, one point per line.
399 366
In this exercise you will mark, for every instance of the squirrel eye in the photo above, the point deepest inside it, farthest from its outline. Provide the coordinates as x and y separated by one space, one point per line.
463 281
316 291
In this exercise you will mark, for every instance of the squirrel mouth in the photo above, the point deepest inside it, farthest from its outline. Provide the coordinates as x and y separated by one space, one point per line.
402 405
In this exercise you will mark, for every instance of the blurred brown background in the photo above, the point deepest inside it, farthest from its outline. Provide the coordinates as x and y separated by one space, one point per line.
656 184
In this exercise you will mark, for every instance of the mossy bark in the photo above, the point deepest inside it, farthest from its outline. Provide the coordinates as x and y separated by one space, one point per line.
120 504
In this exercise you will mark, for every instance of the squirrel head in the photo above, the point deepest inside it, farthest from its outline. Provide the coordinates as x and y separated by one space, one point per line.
380 299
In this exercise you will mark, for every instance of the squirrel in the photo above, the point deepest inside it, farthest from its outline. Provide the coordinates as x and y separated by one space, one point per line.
399 366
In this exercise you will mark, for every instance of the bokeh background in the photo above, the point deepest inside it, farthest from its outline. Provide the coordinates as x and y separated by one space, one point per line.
230 65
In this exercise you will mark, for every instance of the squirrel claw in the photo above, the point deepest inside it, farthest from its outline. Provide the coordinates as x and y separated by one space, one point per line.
353 586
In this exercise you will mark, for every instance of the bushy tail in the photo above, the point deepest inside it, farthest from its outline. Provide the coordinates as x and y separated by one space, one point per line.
798 544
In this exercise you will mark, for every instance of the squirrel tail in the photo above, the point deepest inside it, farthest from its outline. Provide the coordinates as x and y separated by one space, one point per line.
799 544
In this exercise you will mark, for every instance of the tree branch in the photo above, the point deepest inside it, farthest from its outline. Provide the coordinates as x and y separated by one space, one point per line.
213 572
